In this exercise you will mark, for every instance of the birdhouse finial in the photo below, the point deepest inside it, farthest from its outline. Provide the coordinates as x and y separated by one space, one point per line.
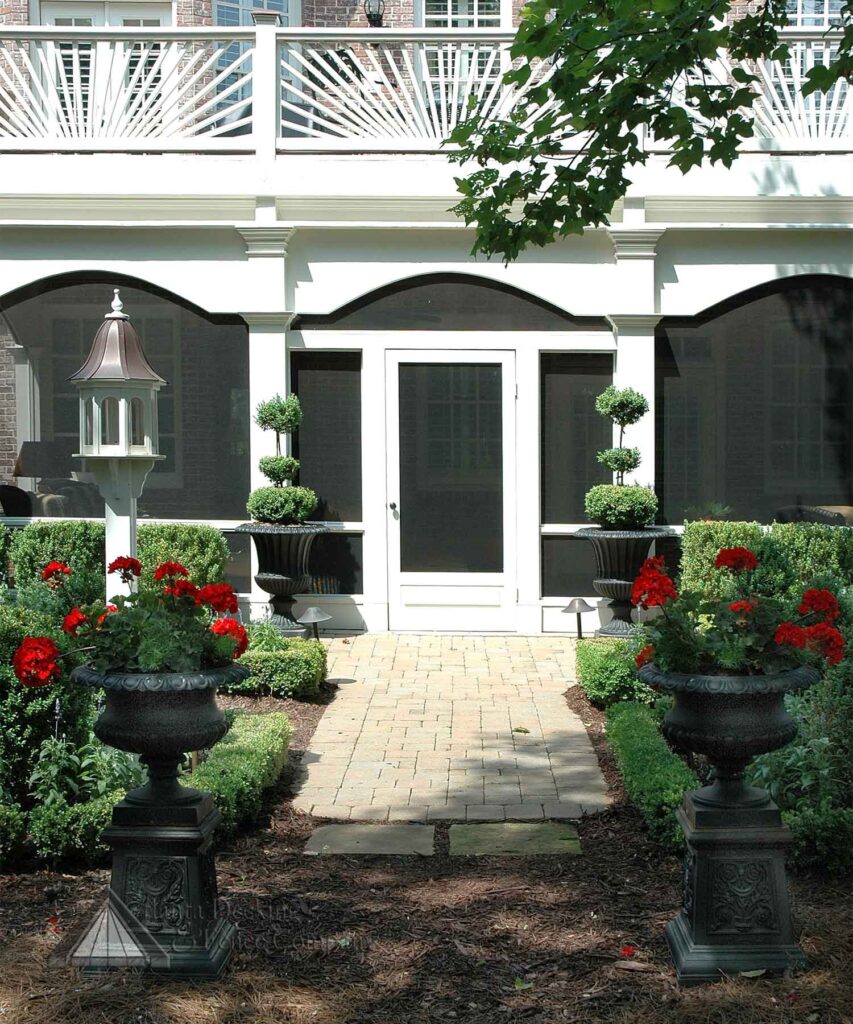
117 308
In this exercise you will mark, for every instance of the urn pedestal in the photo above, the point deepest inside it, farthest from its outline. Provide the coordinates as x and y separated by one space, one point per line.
161 912
735 914
283 553
618 557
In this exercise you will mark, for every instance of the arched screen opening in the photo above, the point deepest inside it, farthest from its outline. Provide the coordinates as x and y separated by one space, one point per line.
109 421
137 423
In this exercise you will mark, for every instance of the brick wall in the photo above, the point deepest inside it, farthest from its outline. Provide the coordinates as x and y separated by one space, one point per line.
350 13
8 410
14 12
193 12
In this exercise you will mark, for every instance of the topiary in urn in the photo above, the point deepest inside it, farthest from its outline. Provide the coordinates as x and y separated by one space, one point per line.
623 511
728 665
282 537
158 654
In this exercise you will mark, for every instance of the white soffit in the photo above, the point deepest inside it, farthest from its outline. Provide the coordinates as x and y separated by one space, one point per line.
787 210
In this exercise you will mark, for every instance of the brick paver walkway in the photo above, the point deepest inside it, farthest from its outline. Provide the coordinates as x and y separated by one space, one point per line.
430 727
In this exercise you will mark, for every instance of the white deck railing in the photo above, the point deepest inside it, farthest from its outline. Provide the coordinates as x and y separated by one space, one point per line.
268 90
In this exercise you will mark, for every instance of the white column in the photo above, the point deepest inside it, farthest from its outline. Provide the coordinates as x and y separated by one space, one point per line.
375 496
267 377
120 481
527 488
266 76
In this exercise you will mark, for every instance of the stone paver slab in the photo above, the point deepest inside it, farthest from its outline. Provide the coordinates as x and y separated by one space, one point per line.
372 840
513 839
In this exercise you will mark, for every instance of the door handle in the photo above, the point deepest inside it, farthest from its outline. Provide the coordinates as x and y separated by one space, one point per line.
393 506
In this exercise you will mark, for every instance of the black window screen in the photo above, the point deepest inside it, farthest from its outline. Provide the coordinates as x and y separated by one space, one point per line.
572 432
328 444
755 405
335 565
568 567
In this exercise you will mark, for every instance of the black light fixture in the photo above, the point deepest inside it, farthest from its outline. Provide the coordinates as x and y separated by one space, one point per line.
374 10
577 606
312 617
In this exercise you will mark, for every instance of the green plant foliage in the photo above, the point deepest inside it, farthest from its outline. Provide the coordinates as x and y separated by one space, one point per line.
201 549
621 507
279 468
27 713
815 549
248 760
620 460
607 672
655 778
566 151
5 544
72 831
281 505
624 406
283 415
78 543
700 544
281 666
13 829
65 773
823 837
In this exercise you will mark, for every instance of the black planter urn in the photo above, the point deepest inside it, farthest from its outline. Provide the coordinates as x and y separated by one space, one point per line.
618 557
161 913
283 553
735 915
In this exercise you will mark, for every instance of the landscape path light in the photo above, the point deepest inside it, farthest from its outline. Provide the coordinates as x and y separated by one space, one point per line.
577 607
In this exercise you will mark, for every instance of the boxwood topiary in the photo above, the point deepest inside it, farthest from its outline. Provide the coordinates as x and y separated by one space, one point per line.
72 831
621 507
281 505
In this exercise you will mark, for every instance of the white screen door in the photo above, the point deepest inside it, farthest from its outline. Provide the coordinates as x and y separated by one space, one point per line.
451 490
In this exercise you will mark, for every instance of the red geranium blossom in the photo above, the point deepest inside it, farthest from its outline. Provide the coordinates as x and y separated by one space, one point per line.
73 621
822 602
182 588
219 596
826 640
653 587
790 634
55 569
744 607
126 567
645 656
232 628
107 611
736 559
34 662
168 570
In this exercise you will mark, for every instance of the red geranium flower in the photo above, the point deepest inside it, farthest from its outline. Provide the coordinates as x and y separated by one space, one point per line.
73 621
744 607
219 596
627 951
822 602
232 628
826 640
107 611
791 635
736 559
34 662
182 588
652 586
168 570
55 569
645 656
126 567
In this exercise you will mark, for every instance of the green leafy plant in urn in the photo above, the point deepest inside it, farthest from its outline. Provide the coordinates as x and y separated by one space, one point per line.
282 537
624 513
728 664
158 654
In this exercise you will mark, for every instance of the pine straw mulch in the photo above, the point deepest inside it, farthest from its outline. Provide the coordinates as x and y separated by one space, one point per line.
415 940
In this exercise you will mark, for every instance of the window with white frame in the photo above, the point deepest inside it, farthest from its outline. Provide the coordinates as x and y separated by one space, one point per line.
813 13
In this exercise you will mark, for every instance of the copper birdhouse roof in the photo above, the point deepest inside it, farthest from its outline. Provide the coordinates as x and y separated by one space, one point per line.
116 352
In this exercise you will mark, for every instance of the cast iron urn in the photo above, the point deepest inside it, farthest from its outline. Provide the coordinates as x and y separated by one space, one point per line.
735 915
162 913
618 557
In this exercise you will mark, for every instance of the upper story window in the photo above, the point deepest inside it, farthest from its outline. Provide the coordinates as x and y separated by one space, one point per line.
239 12
462 13
813 13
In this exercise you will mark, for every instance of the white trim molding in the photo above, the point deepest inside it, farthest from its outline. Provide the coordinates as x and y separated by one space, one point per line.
635 243
269 240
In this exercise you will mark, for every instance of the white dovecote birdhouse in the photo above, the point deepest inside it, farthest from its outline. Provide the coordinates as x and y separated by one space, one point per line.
118 393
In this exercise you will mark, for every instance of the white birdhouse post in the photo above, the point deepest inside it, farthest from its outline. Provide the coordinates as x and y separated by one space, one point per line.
118 425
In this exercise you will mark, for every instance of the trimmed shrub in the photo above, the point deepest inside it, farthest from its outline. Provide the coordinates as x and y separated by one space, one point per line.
201 549
607 672
282 505
815 549
621 506
281 666
5 544
72 831
655 778
78 543
248 760
27 713
12 832
823 837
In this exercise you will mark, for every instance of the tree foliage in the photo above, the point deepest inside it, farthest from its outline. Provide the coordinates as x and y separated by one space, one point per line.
624 71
